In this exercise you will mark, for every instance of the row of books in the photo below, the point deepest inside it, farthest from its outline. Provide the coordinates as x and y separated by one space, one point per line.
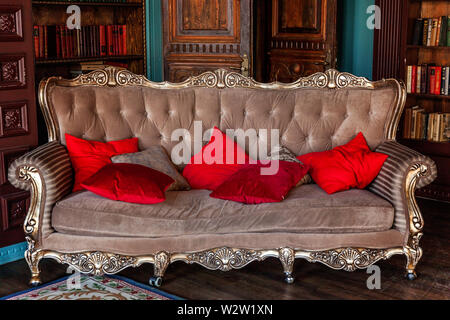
89 41
428 79
432 32
426 126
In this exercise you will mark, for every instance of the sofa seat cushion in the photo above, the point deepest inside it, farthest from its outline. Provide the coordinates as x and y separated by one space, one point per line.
307 209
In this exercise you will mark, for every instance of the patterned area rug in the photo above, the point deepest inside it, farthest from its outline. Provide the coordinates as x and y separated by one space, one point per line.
92 288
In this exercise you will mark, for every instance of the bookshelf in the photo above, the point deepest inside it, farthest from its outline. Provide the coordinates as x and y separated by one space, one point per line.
130 13
420 54
94 13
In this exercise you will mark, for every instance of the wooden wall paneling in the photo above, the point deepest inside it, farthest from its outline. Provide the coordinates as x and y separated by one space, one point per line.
202 35
303 38
18 128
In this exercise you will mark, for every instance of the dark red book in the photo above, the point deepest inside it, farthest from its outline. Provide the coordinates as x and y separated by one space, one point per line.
45 42
432 79
414 79
103 47
41 42
437 87
92 40
423 80
120 39
58 41
109 37
36 41
124 41
69 43
63 42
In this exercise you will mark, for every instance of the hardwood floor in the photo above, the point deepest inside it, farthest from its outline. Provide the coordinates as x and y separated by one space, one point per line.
264 280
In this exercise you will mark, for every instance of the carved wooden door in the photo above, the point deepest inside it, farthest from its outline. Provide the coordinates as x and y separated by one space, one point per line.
303 38
17 110
203 35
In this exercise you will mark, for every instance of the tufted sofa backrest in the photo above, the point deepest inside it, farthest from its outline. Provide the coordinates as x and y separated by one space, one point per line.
310 118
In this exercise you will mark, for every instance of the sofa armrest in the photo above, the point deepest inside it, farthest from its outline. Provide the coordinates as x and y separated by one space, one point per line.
47 173
403 172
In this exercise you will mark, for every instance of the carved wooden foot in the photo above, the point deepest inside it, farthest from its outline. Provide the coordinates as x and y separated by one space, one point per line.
287 258
413 257
162 260
33 258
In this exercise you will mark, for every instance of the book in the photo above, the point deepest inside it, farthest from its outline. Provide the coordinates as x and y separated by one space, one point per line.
36 41
418 77
423 80
124 28
430 127
409 79
438 31
447 81
41 42
429 31
418 32
102 35
446 127
425 32
414 79
437 87
109 37
448 31
443 33
434 26
432 80
407 123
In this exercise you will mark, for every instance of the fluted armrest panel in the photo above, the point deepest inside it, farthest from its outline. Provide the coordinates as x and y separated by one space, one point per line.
47 173
391 181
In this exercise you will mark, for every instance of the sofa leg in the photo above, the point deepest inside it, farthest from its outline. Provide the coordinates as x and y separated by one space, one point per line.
33 258
287 258
162 260
412 258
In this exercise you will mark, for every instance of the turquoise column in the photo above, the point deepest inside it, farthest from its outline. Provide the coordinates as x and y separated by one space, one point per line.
355 38
154 40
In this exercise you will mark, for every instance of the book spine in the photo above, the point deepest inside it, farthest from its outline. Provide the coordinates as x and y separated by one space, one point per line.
41 42
36 41
418 32
430 127
418 77
432 82
438 31
124 41
103 48
434 25
430 28
436 128
448 31
120 39
443 33
414 79
447 81
109 34
425 32
407 124
437 88
443 81
408 79
423 80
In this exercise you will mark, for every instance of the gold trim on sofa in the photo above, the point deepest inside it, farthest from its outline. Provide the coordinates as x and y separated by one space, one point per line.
223 258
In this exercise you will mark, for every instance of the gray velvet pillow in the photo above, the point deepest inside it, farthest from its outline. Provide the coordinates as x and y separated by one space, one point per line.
155 157
284 154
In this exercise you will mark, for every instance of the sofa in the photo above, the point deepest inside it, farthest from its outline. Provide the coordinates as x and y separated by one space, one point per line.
349 230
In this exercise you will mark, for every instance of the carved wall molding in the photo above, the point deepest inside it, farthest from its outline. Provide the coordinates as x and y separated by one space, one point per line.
11 23
12 71
13 119
348 259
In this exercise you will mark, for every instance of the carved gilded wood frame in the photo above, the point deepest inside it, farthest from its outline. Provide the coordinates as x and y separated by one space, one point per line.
223 258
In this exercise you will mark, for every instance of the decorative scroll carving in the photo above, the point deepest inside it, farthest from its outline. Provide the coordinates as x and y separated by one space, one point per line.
97 263
97 77
7 23
11 23
224 259
12 71
348 259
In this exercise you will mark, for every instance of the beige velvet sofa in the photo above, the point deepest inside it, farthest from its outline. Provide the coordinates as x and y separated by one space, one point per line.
349 230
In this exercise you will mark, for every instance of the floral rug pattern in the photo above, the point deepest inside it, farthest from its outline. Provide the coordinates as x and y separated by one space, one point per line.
93 288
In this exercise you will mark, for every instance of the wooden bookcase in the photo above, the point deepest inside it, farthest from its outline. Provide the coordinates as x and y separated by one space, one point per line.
419 55
93 12
130 13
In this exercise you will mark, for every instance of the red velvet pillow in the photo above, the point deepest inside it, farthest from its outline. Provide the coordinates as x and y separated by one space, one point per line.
88 157
129 183
349 166
249 186
213 164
